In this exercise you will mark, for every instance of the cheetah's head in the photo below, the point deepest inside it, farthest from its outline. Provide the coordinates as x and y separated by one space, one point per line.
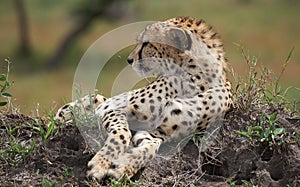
158 48
180 45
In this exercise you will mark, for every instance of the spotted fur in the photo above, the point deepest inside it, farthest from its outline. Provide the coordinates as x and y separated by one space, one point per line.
190 92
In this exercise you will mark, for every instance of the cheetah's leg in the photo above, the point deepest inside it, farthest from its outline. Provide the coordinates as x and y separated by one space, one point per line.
117 141
134 159
177 125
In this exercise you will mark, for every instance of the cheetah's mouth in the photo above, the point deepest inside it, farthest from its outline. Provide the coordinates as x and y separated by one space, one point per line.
141 67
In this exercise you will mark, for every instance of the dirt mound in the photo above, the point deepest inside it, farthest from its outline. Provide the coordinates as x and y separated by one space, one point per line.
28 159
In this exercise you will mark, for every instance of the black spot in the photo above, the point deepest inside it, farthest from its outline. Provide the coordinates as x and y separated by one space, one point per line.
192 66
185 123
192 87
105 118
106 125
210 97
115 120
202 88
193 102
154 86
60 114
174 127
165 120
150 95
176 112
124 142
114 132
204 102
199 22
200 123
152 108
159 129
66 106
213 36
136 106
113 166
200 128
142 100
160 110
122 137
190 113
159 98
204 116
106 107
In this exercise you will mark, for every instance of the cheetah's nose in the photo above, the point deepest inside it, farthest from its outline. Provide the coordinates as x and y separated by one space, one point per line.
130 60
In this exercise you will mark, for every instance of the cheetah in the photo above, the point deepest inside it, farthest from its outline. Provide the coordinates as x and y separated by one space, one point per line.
190 92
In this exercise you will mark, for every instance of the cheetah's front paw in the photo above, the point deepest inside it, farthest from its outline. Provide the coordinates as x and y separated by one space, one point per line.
99 166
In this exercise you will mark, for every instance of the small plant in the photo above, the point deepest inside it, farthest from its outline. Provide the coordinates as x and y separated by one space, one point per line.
47 183
268 131
45 134
67 172
247 183
16 151
260 87
125 182
5 84
231 182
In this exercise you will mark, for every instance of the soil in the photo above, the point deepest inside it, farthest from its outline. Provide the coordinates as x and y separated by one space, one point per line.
231 159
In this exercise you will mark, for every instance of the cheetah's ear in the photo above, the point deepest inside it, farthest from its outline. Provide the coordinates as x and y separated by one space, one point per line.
180 39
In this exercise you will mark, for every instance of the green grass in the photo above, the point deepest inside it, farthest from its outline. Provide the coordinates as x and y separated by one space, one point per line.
5 84
268 132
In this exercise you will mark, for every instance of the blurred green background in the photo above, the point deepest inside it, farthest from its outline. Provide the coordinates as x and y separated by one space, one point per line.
60 31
